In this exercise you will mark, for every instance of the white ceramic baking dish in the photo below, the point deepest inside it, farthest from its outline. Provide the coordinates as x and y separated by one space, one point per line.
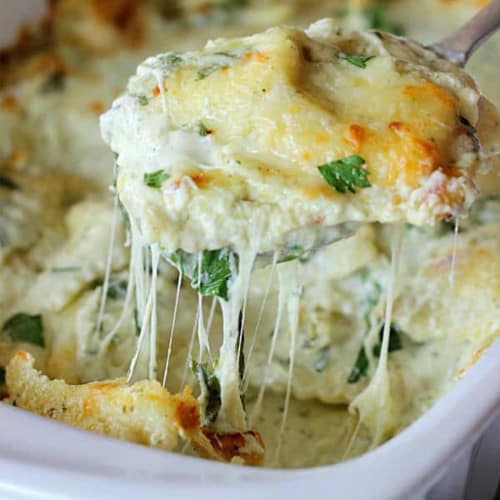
452 452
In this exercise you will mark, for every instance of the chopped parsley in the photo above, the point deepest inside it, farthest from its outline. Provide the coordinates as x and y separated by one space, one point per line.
444 227
362 363
346 174
137 323
117 289
173 59
215 273
356 60
203 130
181 260
210 391
156 179
170 61
7 183
24 327
377 20
395 343
360 368
298 252
143 100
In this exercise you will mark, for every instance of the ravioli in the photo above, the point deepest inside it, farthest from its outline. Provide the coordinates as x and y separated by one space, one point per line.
326 126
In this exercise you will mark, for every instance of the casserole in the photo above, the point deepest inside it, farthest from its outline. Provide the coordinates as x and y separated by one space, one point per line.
313 475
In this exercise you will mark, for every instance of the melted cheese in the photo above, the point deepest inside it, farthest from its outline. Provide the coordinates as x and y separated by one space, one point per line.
295 104
374 404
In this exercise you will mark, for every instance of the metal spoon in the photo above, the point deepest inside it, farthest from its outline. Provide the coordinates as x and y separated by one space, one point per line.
460 45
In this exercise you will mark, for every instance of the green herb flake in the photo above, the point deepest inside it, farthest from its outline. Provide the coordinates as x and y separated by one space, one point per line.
179 259
210 391
143 100
346 174
156 179
137 323
117 289
173 59
296 252
215 273
356 60
445 227
24 327
395 343
360 368
377 20
170 61
7 183
203 130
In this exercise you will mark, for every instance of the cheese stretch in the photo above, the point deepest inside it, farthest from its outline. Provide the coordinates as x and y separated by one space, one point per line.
252 144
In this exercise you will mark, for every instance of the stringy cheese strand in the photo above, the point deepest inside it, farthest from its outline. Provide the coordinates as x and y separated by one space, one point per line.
172 329
107 272
259 318
290 278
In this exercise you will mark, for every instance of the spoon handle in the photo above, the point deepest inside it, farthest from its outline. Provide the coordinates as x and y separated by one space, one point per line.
460 45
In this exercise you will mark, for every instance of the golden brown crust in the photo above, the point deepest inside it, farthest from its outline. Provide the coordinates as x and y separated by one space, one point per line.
143 413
